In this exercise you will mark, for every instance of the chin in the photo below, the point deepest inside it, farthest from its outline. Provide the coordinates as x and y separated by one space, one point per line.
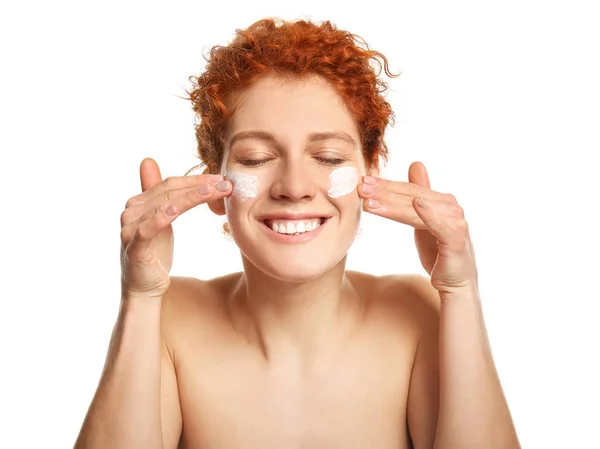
293 268
295 261
298 273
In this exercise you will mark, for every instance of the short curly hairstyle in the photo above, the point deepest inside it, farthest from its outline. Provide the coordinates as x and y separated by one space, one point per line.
294 50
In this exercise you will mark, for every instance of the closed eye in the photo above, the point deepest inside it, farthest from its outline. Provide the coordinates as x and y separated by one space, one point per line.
331 161
259 162
253 162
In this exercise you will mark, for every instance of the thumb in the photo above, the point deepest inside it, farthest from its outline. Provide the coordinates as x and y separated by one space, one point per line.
417 174
149 173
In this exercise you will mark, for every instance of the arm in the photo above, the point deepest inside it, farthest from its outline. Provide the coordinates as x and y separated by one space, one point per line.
136 404
473 412
137 384
473 409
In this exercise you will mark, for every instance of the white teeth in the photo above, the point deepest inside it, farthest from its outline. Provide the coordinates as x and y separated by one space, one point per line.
295 226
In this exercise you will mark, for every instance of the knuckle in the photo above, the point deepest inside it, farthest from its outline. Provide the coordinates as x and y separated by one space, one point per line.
141 233
169 195
413 188
169 182
126 217
450 198
131 202
125 235
463 227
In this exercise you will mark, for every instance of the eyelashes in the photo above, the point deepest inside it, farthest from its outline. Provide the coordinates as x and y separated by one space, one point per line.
322 160
252 162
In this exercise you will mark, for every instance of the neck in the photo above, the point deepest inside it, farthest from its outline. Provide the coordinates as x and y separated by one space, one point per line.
295 320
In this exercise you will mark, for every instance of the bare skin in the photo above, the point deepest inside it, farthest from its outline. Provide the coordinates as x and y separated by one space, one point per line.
349 391
296 352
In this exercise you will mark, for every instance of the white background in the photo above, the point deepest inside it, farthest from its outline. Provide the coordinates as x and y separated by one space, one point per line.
501 101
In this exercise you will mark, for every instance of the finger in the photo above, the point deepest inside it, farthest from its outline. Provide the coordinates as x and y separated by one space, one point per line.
149 174
401 208
172 184
371 185
182 200
139 231
402 212
405 188
139 238
417 174
156 220
192 197
445 222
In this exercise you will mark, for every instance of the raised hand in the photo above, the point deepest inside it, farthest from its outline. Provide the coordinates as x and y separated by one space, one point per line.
441 231
146 231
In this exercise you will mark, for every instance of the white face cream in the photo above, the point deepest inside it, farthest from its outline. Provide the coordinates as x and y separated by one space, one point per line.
244 186
343 181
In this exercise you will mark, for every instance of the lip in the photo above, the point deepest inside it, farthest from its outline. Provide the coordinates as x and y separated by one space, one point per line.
293 216
290 238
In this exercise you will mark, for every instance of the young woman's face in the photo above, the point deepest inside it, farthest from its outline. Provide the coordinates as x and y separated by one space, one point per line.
294 155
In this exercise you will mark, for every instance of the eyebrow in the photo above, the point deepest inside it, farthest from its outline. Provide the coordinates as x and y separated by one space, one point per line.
312 137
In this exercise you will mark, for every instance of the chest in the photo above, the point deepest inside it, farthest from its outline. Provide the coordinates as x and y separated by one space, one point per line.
230 399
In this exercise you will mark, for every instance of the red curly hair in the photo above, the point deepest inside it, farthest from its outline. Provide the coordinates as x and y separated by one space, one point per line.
291 49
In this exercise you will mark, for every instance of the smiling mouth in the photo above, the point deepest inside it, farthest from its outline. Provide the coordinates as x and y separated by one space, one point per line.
295 227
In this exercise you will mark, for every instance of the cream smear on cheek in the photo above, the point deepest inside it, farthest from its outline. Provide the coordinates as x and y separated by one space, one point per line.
244 186
343 181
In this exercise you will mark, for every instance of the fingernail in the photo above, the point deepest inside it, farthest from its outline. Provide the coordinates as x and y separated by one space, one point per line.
374 204
421 202
204 189
223 186
370 180
215 177
368 189
171 210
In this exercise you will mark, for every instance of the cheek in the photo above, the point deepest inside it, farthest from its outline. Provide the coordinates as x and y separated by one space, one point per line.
343 182
245 186
245 190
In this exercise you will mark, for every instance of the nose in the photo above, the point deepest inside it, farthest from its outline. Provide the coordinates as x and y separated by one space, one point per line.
293 182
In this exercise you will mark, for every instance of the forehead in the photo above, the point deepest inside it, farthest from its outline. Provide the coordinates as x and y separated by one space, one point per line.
291 109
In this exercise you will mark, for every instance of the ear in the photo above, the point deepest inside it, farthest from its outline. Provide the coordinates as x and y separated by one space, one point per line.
217 206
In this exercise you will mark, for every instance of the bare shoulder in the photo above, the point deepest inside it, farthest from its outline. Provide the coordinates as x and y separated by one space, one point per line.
185 292
410 299
193 305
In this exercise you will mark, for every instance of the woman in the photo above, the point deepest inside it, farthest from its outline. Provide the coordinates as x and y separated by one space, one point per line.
296 351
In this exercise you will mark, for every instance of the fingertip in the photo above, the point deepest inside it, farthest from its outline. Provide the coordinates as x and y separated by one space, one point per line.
366 190
149 173
369 180
373 204
224 186
171 210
